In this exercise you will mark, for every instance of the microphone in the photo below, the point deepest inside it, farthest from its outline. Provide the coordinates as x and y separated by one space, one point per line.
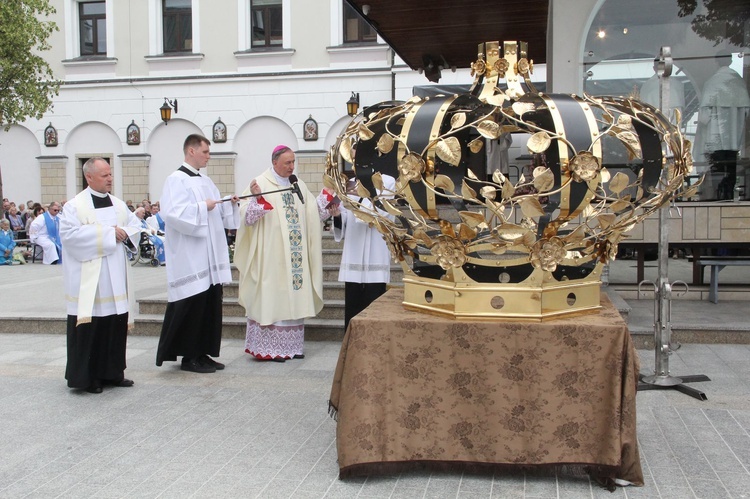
295 188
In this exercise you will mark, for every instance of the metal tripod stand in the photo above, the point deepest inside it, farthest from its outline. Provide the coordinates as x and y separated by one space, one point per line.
662 379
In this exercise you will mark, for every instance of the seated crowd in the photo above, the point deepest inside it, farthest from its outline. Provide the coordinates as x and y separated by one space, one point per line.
33 229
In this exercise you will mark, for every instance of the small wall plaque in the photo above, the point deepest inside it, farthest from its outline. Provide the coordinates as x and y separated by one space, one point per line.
310 129
50 136
220 131
134 134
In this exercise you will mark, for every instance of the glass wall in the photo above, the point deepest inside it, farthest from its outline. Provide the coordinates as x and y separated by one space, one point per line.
710 81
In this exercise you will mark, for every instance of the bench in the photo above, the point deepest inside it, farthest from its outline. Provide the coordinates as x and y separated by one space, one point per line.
717 264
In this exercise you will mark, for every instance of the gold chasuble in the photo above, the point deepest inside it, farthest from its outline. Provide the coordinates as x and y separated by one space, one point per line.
280 257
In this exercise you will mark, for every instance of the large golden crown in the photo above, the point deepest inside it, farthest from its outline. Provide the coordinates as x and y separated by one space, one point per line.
475 245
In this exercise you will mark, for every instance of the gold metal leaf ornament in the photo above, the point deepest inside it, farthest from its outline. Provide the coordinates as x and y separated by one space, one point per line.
497 99
488 192
531 207
544 180
539 142
458 120
377 181
476 145
449 150
619 182
346 151
444 182
365 133
385 144
488 129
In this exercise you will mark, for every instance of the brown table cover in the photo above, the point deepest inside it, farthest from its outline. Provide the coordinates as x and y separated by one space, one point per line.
413 390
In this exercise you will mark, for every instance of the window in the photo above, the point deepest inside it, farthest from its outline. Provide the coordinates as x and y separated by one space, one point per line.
92 22
356 30
177 23
267 23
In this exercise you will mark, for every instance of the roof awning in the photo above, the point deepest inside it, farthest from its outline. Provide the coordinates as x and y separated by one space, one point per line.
446 32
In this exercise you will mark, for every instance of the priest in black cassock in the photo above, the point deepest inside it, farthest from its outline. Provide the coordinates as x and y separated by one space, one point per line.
94 228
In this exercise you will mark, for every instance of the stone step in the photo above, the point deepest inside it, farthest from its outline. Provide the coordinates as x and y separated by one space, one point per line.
333 309
332 256
235 327
329 243
331 273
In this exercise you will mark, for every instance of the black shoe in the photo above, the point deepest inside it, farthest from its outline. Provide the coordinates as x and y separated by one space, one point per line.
279 359
96 387
124 382
194 365
208 361
299 356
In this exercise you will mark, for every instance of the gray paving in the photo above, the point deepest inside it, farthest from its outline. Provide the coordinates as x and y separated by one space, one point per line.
262 429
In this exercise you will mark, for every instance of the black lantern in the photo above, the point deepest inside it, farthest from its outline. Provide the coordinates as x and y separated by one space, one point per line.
352 105
166 110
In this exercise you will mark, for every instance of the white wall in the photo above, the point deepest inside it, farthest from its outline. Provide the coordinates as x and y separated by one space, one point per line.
19 149
165 148
254 145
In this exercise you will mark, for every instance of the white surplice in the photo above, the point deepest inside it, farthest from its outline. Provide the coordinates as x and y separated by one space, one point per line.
365 257
84 242
197 252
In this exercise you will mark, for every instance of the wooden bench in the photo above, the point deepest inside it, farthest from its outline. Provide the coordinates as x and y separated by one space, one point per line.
717 264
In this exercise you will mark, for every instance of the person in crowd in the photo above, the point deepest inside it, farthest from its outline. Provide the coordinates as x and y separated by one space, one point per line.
195 218
34 212
17 224
147 206
365 266
279 256
45 232
23 212
94 228
130 206
6 207
155 220
155 239
7 242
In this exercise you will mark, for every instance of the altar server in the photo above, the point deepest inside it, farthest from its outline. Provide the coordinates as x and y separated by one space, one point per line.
366 260
195 218
94 228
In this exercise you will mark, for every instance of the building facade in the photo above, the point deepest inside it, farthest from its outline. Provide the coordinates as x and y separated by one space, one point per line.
251 74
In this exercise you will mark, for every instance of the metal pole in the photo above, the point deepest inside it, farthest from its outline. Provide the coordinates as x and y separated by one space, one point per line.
663 288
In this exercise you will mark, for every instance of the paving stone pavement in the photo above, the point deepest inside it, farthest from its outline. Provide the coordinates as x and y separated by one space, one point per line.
262 429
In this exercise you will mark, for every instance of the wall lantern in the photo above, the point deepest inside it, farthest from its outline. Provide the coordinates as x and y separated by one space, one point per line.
352 105
166 110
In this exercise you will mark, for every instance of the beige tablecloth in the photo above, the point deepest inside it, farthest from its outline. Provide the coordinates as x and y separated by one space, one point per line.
417 390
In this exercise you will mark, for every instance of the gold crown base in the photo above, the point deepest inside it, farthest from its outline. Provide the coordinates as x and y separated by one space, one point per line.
502 301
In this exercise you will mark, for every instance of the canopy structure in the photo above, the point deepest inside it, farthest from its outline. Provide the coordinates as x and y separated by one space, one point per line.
435 35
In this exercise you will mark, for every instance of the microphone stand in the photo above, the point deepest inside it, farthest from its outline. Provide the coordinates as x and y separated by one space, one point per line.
294 188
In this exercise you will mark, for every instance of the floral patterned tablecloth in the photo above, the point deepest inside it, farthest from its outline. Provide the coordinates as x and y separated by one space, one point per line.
417 390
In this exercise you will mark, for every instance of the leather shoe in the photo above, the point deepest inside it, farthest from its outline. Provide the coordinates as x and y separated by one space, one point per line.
299 356
208 361
194 365
95 387
279 359
124 382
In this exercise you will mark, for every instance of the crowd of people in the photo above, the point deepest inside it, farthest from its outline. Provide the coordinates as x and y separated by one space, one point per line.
277 224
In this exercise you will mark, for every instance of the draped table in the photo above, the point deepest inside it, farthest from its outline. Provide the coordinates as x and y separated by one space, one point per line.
413 390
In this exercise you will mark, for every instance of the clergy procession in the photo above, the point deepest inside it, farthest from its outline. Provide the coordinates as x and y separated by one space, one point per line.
96 238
